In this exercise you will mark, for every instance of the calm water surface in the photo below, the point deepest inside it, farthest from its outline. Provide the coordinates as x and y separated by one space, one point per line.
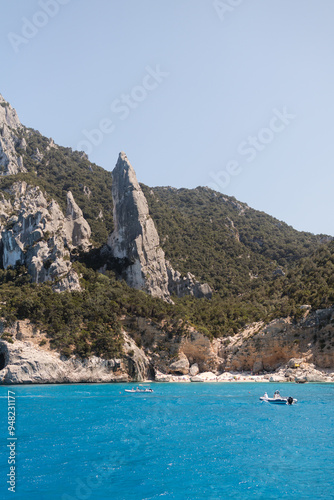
183 442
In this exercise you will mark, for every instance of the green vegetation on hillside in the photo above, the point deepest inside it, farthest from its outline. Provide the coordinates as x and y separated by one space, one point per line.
312 280
83 323
222 241
89 322
260 268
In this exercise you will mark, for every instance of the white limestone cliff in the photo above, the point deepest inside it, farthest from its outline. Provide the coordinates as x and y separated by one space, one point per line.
191 357
76 227
135 237
30 361
35 233
135 240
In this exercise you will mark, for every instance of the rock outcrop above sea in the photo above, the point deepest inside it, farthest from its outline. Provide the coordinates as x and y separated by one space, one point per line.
10 139
190 357
35 233
281 350
180 366
135 241
267 348
27 362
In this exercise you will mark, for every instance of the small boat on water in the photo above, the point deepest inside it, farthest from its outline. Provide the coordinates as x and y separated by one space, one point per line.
278 399
139 389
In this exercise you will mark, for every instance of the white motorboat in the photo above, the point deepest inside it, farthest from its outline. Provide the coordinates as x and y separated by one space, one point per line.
139 389
278 399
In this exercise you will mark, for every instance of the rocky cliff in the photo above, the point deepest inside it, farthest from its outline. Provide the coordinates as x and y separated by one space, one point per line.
47 196
35 233
269 347
75 226
29 360
279 351
292 350
135 238
286 350
135 241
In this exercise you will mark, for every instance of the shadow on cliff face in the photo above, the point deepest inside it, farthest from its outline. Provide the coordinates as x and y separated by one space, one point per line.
102 258
139 372
2 360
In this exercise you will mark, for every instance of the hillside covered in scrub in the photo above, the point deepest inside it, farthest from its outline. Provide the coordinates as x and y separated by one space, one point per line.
85 253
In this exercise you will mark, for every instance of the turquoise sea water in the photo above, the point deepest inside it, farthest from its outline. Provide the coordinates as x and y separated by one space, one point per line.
184 441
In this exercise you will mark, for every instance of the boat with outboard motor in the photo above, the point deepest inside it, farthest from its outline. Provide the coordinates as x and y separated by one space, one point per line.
278 399
140 390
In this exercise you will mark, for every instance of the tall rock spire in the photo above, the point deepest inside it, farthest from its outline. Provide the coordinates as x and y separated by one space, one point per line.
135 237
135 241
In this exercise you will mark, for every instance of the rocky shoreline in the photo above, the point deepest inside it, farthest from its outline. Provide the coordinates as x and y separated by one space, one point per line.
24 362
311 375
281 351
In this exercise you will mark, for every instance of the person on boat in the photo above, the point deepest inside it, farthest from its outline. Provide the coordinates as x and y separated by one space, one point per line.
277 395
266 395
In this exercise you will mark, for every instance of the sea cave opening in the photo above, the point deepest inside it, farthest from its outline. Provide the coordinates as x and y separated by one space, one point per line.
2 361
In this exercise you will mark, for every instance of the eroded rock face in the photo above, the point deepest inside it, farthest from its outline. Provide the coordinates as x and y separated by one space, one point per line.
281 343
10 161
202 352
190 357
35 233
135 240
135 237
186 285
76 227
177 353
180 366
293 351
25 362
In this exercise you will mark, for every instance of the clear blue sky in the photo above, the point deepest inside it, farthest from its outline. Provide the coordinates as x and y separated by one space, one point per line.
213 114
